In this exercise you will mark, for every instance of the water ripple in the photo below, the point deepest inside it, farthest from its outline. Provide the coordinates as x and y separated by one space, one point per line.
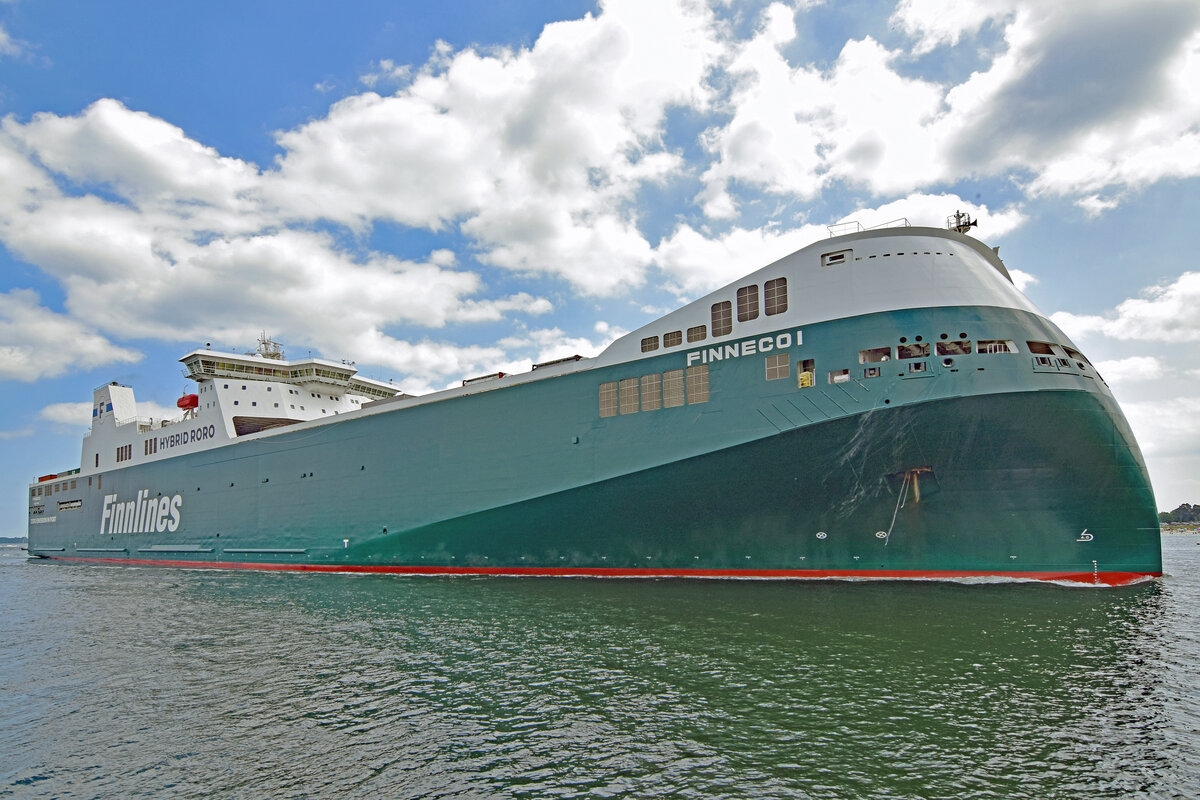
140 682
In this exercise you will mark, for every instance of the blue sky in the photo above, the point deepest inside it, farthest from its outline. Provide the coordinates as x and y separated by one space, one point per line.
438 191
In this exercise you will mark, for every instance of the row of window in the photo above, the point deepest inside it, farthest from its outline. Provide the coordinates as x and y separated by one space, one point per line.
124 453
671 389
651 392
209 366
49 489
150 446
775 301
1045 348
919 349
293 391
840 257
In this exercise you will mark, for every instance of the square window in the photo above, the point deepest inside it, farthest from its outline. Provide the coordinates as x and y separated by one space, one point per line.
722 319
747 299
874 355
673 339
778 367
651 392
954 347
917 350
698 333
629 395
649 344
672 388
697 384
871 372
775 296
806 375
608 399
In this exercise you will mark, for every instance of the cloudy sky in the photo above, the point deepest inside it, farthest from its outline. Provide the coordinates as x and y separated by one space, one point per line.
441 190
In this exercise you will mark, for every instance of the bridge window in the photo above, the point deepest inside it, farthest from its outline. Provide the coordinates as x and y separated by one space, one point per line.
649 344
698 333
673 339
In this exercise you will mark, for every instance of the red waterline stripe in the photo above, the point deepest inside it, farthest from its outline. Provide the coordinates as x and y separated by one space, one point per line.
1106 578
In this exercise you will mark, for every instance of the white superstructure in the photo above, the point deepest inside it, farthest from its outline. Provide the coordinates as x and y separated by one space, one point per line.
237 395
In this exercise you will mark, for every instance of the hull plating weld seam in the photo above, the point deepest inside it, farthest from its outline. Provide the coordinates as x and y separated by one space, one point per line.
1089 577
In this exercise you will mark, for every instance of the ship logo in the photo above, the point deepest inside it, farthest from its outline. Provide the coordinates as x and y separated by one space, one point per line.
141 515
747 347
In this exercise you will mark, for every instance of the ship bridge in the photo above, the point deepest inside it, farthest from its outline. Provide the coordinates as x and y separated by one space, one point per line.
268 364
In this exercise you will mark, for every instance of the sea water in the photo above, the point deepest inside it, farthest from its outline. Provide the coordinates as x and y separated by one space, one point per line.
127 682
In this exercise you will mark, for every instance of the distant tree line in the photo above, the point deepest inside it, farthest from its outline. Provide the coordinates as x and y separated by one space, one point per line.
1185 513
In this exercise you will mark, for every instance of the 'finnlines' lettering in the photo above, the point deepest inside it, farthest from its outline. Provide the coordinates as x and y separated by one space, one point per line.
746 347
142 515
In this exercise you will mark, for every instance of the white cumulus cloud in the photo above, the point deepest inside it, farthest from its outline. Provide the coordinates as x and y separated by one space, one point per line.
1132 368
8 45
1165 313
36 342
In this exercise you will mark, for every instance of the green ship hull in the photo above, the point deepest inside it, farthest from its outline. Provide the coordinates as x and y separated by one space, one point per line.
983 465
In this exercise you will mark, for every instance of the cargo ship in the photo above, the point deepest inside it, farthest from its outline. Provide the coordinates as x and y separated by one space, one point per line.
883 404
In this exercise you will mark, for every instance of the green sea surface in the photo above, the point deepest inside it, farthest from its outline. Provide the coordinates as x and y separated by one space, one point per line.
139 682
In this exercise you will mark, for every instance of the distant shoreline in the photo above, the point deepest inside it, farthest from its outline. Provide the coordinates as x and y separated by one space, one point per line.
13 540
1181 527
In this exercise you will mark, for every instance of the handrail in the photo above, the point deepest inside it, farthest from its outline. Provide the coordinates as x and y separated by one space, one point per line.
854 226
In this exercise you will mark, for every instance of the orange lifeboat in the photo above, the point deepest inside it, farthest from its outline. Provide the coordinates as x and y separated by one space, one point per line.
188 401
